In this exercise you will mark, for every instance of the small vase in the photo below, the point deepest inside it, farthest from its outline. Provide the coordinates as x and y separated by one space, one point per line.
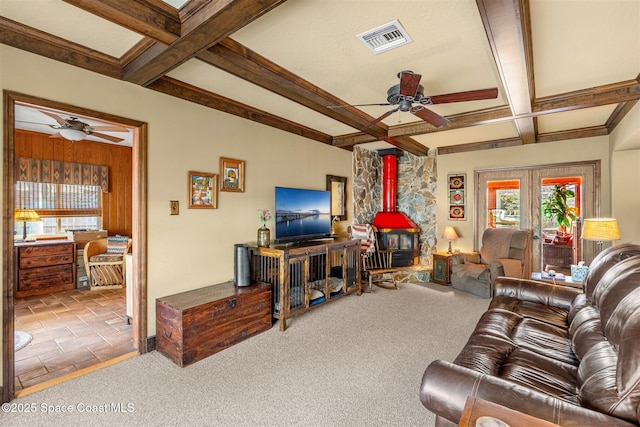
264 236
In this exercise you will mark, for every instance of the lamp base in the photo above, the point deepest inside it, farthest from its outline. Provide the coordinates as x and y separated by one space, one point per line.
449 251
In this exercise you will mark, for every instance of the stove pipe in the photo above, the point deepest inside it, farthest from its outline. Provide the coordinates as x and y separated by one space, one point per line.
389 217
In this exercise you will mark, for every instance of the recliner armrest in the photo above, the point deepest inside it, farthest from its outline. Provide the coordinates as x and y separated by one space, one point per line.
534 291
446 386
466 257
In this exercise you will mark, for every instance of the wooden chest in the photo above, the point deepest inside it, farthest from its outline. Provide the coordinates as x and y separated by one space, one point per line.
195 324
44 267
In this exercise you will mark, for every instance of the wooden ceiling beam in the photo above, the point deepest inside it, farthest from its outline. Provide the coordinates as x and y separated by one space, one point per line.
135 16
200 96
211 24
44 44
508 27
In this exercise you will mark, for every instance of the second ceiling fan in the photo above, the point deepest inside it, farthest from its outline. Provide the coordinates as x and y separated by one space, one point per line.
409 92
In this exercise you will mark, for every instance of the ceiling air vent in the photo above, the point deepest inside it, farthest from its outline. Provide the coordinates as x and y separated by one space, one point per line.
385 37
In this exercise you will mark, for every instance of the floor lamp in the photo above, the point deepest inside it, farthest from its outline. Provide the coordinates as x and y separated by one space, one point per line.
600 230
25 215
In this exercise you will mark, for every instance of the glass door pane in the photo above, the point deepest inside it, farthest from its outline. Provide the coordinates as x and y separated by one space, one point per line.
504 204
560 205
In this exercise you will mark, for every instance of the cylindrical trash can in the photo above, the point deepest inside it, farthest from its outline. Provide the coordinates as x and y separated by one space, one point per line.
241 271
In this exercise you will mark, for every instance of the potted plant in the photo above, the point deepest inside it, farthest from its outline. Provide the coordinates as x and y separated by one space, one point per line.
556 207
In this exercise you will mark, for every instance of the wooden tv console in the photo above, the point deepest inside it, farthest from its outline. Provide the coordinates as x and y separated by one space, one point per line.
306 274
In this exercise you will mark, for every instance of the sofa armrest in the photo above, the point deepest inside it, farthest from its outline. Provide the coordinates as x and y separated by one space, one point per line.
534 291
446 386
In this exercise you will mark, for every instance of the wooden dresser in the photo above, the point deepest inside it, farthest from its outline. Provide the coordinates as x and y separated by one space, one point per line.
195 324
45 266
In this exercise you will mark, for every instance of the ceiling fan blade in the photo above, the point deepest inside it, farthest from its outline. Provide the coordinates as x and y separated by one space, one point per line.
470 95
107 137
57 118
409 83
379 119
56 135
356 105
429 116
109 128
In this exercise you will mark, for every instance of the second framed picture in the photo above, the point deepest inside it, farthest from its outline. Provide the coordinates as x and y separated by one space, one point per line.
232 172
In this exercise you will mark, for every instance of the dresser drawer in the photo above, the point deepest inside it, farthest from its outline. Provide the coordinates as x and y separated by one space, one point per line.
45 260
46 250
44 277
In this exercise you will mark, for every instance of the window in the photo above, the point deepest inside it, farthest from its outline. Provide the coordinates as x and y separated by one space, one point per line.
61 207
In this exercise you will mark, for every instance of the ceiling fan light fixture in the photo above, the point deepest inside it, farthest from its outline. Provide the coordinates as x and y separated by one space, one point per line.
73 134
385 37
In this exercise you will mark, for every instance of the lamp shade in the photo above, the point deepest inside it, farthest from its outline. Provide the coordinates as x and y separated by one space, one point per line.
449 233
73 134
600 229
26 215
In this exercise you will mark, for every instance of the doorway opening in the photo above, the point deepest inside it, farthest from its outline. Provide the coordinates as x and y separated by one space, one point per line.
138 227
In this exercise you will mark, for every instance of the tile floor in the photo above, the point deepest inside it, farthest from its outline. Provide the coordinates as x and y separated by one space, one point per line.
71 330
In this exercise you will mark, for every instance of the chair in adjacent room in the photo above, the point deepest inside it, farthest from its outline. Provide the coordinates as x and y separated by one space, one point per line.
376 262
504 252
105 262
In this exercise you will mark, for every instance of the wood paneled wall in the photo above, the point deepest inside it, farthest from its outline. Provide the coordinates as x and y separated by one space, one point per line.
117 209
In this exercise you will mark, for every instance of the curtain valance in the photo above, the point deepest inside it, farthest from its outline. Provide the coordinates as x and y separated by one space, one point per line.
59 172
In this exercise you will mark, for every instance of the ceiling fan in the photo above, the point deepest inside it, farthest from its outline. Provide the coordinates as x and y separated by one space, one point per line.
75 130
409 92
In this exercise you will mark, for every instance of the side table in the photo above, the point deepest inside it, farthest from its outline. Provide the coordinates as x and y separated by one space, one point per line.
442 268
561 280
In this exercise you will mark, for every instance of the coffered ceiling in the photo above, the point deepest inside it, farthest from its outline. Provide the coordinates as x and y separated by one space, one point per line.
564 69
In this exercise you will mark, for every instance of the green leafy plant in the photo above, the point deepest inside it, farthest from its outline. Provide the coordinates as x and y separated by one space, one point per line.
556 207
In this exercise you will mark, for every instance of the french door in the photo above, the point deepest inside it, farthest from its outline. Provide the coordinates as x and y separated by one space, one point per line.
513 198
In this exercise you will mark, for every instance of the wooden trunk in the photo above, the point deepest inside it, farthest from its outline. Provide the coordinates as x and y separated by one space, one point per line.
195 324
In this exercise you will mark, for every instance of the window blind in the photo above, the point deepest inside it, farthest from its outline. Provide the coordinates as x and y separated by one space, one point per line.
58 199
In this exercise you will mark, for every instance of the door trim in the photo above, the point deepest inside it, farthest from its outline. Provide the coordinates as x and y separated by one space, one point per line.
139 227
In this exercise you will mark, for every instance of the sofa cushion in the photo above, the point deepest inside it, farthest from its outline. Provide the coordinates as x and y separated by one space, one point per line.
532 309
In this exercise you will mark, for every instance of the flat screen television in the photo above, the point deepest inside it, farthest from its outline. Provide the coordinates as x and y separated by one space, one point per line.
302 214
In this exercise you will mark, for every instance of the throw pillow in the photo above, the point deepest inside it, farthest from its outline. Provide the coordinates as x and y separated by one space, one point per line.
117 244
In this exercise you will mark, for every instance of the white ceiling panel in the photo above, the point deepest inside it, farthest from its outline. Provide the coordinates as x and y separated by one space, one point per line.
575 43
317 40
575 119
467 135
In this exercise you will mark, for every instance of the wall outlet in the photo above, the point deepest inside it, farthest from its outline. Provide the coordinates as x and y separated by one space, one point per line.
174 207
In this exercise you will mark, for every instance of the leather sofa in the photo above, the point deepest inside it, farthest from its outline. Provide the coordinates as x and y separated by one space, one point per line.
557 353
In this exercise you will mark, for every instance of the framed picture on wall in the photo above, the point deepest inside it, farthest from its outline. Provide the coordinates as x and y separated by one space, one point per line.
203 190
232 172
457 196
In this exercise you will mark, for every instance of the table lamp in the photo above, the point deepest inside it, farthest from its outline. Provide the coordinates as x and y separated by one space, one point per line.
449 234
26 215
600 230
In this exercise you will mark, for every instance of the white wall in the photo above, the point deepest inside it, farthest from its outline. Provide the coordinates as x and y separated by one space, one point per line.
625 176
194 248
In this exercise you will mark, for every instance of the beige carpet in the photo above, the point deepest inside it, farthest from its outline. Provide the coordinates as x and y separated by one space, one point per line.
357 361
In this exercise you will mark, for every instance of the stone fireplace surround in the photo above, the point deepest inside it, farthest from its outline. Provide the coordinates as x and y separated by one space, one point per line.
416 193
